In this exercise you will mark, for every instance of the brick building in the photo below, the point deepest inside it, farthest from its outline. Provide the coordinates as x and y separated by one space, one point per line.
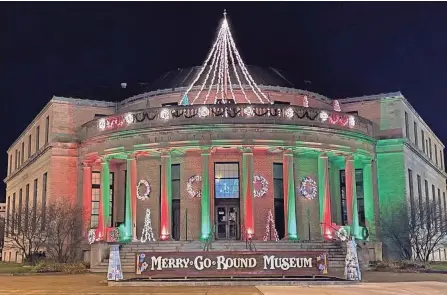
217 166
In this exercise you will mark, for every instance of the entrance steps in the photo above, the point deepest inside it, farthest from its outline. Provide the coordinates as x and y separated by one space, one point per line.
337 252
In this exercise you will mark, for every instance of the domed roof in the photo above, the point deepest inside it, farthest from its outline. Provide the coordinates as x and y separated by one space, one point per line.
185 77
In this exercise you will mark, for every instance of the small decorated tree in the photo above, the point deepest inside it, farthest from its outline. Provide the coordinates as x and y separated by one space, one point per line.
148 234
270 228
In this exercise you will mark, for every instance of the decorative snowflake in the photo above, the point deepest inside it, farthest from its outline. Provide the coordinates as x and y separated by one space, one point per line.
189 186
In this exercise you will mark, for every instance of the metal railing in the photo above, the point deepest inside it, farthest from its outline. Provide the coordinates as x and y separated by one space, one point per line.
225 114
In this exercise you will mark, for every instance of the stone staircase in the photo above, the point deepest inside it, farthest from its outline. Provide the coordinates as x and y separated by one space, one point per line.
337 252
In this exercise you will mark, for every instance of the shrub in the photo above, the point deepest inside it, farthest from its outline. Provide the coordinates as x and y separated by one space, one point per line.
73 268
45 266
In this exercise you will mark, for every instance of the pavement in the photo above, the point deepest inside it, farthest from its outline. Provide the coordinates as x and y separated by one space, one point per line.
89 284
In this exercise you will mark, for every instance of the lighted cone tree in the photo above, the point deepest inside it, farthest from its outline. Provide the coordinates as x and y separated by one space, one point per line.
222 63
270 229
148 234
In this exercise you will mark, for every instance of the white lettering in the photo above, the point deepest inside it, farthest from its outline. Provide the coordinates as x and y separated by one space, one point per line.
155 262
198 263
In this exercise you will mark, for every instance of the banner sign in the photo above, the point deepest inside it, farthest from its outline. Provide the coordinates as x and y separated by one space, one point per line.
228 264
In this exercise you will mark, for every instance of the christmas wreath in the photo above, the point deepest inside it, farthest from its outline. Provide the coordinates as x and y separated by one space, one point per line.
308 188
145 196
264 185
189 186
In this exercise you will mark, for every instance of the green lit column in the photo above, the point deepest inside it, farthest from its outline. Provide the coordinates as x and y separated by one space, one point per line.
206 230
105 195
368 196
130 217
248 189
289 195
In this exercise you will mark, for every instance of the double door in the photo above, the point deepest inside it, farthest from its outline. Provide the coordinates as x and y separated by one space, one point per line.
227 222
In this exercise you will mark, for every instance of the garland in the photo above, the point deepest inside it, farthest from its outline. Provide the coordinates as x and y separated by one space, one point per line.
264 186
145 196
308 188
189 186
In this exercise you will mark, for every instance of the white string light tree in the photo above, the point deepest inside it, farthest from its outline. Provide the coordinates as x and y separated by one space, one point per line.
147 234
270 229
222 63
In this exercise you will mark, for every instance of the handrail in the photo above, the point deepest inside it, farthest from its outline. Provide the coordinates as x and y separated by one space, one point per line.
224 114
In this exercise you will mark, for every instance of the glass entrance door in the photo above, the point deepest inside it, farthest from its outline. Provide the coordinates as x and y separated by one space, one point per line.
227 222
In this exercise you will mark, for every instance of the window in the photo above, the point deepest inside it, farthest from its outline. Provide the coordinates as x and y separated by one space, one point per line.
96 194
10 164
227 101
169 104
125 192
19 161
436 154
15 160
47 129
29 146
175 180
439 213
23 152
445 207
278 192
19 215
407 130
226 180
8 214
410 185
13 214
429 149
441 160
26 207
423 140
44 199
175 207
421 206
360 199
35 202
433 212
415 130
37 138
427 204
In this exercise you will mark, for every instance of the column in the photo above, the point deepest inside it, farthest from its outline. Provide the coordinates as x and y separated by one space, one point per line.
86 197
368 196
205 201
248 189
166 196
131 199
324 196
104 203
289 196
351 196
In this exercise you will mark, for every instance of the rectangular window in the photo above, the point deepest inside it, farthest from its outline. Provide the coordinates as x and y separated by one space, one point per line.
226 180
278 193
19 215
415 130
125 192
360 199
433 210
47 129
427 204
445 208
18 161
15 160
175 181
439 212
35 202
96 194
175 210
429 149
23 152
423 140
436 154
421 203
10 164
407 130
37 138
13 214
8 215
410 185
26 207
44 199
441 160
29 146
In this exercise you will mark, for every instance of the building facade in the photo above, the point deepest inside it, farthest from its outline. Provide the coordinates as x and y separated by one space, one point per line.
216 163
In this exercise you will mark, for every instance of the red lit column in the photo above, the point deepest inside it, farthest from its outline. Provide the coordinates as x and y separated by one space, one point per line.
86 196
324 196
133 195
166 195
247 174
351 196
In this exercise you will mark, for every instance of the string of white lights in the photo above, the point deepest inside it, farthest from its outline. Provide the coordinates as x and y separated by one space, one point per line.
203 66
215 54
222 53
247 75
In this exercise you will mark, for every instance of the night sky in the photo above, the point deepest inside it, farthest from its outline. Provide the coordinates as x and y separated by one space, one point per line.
344 49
